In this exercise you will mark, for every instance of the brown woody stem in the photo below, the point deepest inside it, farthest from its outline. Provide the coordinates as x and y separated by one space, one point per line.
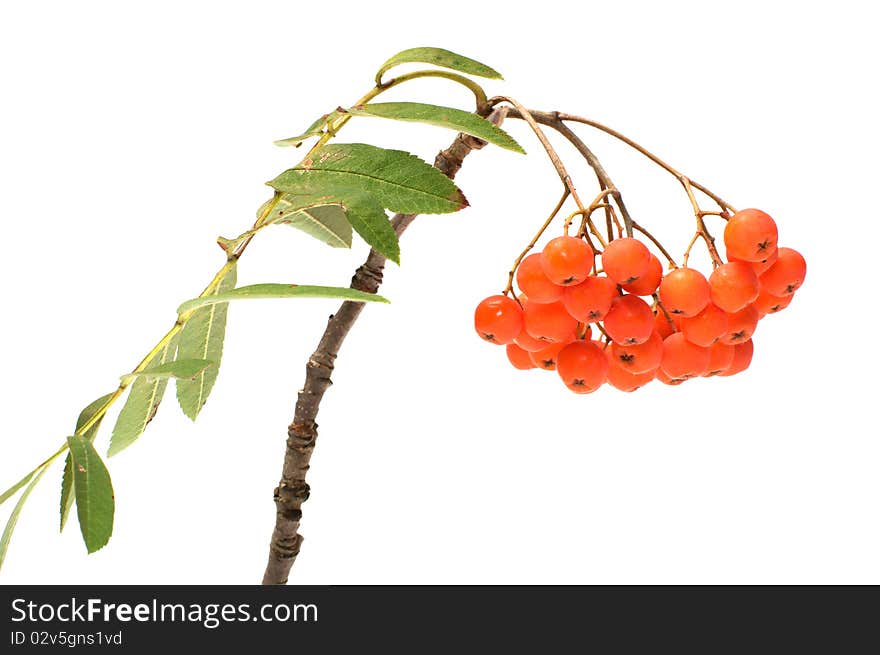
292 490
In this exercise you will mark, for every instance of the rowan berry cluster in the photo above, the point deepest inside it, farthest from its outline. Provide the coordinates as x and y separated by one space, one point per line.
693 327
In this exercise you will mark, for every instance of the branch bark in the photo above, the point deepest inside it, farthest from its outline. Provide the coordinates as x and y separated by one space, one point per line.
293 490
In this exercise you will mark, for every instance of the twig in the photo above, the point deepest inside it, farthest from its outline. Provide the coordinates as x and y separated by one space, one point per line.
293 490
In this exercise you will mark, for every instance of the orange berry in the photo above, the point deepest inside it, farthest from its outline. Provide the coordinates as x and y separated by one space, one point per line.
532 281
622 379
683 359
629 321
527 342
750 235
638 358
787 273
626 260
582 366
567 260
498 319
733 285
767 303
648 283
519 358
705 328
761 266
661 375
549 322
720 358
665 326
546 358
684 292
742 357
591 299
741 325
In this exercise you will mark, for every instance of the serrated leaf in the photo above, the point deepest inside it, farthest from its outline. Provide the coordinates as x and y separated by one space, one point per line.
439 57
141 405
327 223
450 117
202 338
67 477
274 290
398 180
94 493
6 537
315 129
369 220
181 369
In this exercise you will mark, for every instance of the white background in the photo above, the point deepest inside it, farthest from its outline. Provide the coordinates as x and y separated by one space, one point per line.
132 134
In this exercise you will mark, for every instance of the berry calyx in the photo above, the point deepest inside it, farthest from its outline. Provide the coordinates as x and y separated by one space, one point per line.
624 380
767 303
733 285
629 321
498 319
684 292
582 366
590 300
750 235
787 273
532 281
741 325
546 358
626 260
567 260
720 358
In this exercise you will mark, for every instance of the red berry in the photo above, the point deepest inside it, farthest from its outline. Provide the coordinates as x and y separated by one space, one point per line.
767 303
741 325
498 319
638 358
528 343
549 322
684 292
683 359
626 260
567 260
750 235
591 299
705 328
533 282
582 366
623 379
629 321
519 357
761 266
720 358
742 357
787 273
732 286
546 359
647 284
663 325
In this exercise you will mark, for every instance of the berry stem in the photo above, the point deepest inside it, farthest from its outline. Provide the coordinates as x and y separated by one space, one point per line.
647 153
702 230
509 288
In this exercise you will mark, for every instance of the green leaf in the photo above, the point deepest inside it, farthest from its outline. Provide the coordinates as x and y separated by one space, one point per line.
327 223
67 478
202 338
439 57
9 493
369 219
181 369
94 493
315 129
454 119
398 180
272 290
16 512
141 405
